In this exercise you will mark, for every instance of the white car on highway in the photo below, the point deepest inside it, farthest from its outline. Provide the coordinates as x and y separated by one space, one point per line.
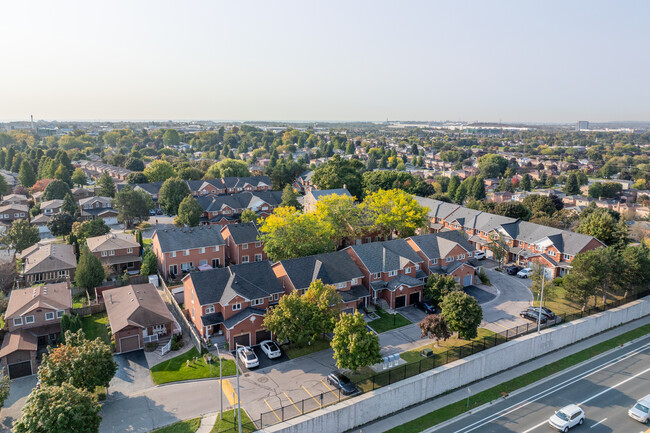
270 349
248 357
567 417
525 273
641 410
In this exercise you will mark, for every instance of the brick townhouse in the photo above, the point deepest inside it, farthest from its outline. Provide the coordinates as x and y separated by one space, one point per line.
227 209
51 207
336 268
528 243
48 263
242 243
232 301
180 250
120 251
391 271
11 212
14 199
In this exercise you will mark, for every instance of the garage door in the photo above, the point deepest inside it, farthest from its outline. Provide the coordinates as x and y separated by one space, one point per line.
242 340
348 311
20 369
414 297
400 301
261 336
129 344
467 280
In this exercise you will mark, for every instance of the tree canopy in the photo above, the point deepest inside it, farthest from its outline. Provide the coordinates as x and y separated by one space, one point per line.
21 235
395 211
106 185
462 313
133 206
56 189
354 345
159 171
189 212
172 192
90 272
339 172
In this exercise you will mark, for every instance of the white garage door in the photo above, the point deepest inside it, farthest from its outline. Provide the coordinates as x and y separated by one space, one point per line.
110 221
467 280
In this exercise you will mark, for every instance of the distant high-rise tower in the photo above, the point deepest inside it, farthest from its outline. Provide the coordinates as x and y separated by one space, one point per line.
32 117
583 125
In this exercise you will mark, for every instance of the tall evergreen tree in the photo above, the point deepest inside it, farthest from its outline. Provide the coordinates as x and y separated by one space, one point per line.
106 185
26 175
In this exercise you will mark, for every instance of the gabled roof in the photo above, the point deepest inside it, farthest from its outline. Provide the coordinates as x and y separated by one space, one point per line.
244 233
239 182
242 200
386 256
330 268
244 314
152 188
437 245
14 206
399 280
51 296
249 280
18 340
177 239
112 241
137 305
51 204
317 194
94 199
47 258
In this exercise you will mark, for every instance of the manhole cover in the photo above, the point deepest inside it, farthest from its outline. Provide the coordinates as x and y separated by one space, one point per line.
263 379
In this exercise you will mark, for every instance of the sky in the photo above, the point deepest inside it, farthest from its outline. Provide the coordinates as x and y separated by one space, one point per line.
510 61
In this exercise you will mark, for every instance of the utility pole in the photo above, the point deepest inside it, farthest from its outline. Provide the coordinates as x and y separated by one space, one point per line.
541 299
238 393
220 384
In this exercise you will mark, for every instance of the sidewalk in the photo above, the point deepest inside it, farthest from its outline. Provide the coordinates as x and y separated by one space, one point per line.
207 422
406 415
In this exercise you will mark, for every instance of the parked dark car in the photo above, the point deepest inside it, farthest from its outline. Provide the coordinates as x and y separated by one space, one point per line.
532 316
545 312
152 212
512 270
341 381
426 306
159 212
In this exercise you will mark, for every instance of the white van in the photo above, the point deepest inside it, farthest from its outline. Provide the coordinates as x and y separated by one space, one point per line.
641 410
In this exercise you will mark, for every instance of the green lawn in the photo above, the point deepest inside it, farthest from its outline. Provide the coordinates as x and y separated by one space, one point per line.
315 346
95 326
188 426
229 424
460 407
147 242
451 344
78 301
387 321
176 369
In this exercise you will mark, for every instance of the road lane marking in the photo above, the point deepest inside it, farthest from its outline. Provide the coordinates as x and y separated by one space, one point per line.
229 392
276 415
599 422
321 406
331 390
294 404
540 395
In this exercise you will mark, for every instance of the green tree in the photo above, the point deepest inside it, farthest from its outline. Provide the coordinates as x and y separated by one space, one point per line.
63 174
106 185
454 183
395 211
526 182
354 345
171 137
26 176
601 224
341 218
5 385
60 224
596 190
172 192
373 181
59 409
438 286
572 187
248 216
90 272
290 197
594 272
88 229
4 186
21 235
132 206
190 173
79 177
159 171
636 268
69 206
492 165
291 320
462 313
478 189
56 189
539 204
149 263
134 164
512 209
339 172
228 168
135 178
499 248
435 326
189 212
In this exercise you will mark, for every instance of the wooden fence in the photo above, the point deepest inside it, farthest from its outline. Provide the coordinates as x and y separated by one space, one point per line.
176 310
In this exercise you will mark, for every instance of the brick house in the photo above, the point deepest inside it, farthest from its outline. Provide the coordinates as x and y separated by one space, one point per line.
81 193
14 199
51 207
227 209
48 263
11 212
181 250
118 250
446 253
33 318
337 269
138 315
232 301
236 185
98 207
391 271
242 244
312 197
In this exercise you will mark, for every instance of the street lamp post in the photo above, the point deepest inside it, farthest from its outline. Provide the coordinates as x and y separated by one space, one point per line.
541 299
238 393
220 384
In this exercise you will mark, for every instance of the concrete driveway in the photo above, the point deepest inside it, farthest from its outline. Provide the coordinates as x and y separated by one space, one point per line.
512 296
20 390
132 375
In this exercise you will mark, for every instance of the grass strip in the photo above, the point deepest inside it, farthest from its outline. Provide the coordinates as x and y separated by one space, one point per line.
229 423
453 410
190 365
187 426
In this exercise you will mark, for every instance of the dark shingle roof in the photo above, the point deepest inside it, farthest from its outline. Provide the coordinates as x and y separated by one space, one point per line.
243 315
321 193
330 268
439 245
354 294
243 233
386 256
188 238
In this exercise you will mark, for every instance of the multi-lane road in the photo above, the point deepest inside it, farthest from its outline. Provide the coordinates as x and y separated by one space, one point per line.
605 388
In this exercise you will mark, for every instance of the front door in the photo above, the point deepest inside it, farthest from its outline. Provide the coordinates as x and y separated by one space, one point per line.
414 298
400 301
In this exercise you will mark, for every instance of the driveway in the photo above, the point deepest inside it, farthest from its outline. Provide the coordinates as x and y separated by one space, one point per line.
512 296
132 375
20 390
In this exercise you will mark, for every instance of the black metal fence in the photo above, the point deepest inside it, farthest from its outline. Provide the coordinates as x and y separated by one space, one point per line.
334 395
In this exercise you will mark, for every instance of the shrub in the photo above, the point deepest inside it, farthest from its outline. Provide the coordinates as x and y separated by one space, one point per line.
150 347
484 278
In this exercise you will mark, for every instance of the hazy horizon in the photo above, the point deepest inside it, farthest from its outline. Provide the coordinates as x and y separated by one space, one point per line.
550 62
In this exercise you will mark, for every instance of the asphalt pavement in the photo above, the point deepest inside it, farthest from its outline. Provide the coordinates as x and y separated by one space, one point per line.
604 388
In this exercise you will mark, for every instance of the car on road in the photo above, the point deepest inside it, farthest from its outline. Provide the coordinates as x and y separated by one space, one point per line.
545 312
567 417
248 357
426 306
341 381
152 212
270 349
512 270
641 410
159 212
479 255
533 316
525 273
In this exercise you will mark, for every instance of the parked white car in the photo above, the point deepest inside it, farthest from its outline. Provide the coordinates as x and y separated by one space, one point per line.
479 255
248 357
641 410
567 417
525 273
270 349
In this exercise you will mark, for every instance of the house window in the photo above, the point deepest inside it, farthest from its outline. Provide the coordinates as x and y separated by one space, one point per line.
377 275
236 307
216 249
203 262
449 259
244 259
258 244
186 266
18 321
103 253
392 273
215 263
341 285
209 309
29 319
258 257
434 261
186 252
407 270
173 269
469 254
202 250
275 296
244 246
111 253
173 254
551 253
60 314
49 316
63 274
567 256
460 257
355 281
129 251
257 302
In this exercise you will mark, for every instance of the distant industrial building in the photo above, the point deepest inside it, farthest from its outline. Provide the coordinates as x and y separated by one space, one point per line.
583 125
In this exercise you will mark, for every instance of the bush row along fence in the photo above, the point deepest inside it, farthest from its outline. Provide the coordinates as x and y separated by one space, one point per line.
177 311
383 378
